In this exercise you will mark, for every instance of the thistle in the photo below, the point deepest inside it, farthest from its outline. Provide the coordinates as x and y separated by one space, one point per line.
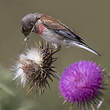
81 83
35 66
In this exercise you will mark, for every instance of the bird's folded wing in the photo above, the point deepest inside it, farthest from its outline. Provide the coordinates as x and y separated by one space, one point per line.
59 28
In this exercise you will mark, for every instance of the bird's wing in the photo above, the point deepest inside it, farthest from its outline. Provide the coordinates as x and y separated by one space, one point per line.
59 28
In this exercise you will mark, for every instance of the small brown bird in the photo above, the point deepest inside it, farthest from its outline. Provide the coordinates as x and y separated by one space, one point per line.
52 30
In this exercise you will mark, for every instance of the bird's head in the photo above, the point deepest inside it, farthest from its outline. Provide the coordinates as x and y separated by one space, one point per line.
28 23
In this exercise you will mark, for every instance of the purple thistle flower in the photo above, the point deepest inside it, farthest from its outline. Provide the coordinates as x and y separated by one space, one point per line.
81 83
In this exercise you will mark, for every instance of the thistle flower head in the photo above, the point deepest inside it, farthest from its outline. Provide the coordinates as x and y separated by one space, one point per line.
81 83
35 66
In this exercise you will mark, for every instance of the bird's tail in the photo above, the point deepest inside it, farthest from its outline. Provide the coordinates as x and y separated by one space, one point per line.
86 47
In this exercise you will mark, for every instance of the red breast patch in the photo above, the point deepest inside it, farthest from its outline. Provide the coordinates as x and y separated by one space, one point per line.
41 29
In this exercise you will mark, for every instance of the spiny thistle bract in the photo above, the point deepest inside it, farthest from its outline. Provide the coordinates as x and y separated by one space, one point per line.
81 84
35 66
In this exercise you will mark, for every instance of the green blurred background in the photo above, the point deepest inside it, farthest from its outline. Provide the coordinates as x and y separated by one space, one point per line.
88 18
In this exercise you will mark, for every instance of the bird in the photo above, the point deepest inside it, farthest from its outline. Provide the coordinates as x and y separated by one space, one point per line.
53 31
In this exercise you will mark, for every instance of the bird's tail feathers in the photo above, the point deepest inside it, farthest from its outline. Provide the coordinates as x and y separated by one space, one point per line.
86 47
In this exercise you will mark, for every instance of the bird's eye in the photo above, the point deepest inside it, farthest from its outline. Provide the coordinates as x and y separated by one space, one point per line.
31 25
25 31
22 29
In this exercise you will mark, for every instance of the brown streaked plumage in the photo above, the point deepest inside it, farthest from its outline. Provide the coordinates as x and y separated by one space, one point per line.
53 31
51 23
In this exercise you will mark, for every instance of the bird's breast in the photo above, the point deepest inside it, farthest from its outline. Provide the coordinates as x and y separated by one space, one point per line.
47 34
41 29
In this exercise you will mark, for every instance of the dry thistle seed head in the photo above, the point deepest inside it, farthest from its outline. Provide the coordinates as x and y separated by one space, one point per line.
35 67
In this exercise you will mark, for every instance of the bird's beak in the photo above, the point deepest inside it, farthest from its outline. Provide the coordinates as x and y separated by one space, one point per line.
26 38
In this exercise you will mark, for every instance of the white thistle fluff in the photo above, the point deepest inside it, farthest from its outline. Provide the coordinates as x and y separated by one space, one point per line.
34 55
